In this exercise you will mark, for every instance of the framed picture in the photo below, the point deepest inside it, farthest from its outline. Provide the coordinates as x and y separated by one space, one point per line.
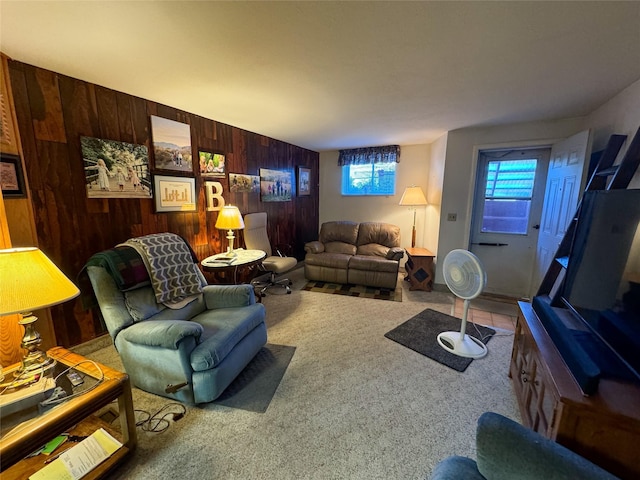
212 164
239 182
175 194
304 181
11 177
8 140
171 145
115 169
275 185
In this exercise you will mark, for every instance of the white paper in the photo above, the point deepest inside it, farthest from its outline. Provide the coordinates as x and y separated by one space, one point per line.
80 459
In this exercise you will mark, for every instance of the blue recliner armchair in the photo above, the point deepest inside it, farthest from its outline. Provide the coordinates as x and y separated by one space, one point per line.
507 450
189 354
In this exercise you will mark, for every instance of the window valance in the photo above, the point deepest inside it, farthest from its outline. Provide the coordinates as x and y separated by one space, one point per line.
368 155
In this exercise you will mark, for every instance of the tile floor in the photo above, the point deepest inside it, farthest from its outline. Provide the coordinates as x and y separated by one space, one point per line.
490 313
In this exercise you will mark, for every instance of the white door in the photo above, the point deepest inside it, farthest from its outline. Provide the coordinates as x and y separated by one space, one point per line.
565 183
507 207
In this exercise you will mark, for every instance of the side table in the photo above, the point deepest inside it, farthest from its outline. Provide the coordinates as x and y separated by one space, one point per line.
221 266
419 268
74 416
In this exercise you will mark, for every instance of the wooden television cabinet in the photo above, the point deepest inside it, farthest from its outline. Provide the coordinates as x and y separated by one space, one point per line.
603 427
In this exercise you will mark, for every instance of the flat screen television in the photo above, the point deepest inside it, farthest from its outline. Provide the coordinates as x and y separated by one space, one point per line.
602 281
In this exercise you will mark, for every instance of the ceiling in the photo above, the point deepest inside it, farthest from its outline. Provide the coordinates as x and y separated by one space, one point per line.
330 75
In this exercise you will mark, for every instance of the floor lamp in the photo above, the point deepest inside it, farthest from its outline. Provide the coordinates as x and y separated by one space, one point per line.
413 197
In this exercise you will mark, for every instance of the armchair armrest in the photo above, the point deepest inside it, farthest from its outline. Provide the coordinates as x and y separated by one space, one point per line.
456 468
395 253
506 449
161 333
226 296
314 247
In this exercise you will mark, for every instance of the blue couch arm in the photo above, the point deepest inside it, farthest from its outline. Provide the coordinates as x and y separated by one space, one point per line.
228 296
161 333
507 450
456 468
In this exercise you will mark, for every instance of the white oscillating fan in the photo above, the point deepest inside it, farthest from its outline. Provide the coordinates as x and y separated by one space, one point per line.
466 278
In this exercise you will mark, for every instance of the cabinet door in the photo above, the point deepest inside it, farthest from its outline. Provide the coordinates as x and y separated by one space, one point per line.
543 401
520 369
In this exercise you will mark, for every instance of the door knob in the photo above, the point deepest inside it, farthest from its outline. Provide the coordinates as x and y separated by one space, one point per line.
537 227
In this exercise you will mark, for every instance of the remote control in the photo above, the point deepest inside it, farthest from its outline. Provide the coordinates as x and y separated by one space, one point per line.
75 378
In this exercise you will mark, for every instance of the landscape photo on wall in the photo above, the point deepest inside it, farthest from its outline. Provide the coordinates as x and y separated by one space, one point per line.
171 145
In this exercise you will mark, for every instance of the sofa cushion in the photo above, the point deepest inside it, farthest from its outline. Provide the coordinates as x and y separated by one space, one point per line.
372 249
340 247
331 260
346 232
187 312
375 263
223 329
377 232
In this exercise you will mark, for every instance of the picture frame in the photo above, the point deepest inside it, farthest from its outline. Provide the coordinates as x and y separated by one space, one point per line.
242 183
175 194
212 164
275 185
115 169
11 176
171 146
304 181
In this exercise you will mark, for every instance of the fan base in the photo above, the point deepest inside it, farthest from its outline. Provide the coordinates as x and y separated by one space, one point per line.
465 346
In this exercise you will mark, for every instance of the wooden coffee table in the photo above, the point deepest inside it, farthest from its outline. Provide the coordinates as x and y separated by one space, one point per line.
75 416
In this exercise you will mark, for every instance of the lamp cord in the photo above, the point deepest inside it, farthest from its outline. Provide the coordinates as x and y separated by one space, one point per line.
158 422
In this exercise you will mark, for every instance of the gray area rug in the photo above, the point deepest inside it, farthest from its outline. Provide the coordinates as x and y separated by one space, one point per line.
420 335
253 389
351 404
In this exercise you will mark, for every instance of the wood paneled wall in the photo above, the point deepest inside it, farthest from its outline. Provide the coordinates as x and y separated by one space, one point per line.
54 110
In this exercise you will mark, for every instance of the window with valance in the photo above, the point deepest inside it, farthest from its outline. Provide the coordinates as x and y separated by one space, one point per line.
369 171
368 155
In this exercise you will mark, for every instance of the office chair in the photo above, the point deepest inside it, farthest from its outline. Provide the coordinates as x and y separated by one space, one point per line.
255 238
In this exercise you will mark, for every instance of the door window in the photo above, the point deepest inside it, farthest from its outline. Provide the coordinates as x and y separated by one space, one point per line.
507 198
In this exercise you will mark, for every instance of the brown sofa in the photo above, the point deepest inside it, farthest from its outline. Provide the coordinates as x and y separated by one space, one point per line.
367 253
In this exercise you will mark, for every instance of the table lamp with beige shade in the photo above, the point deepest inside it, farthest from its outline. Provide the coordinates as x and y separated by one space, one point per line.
229 218
30 281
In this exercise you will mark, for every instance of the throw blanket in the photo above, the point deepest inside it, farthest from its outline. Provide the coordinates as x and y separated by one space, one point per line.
123 263
174 277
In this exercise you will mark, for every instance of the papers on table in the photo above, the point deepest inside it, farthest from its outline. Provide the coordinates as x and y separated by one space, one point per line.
219 261
79 460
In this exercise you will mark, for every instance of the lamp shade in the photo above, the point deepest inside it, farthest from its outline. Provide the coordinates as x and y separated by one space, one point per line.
29 281
413 196
229 218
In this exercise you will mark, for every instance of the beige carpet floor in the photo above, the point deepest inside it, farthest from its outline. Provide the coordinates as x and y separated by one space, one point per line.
351 405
